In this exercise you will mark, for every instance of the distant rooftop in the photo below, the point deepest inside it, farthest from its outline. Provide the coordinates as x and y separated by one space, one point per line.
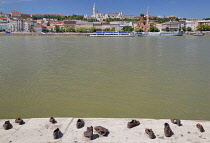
15 11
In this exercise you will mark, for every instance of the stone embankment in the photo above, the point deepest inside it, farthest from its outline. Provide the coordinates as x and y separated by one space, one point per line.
44 34
40 130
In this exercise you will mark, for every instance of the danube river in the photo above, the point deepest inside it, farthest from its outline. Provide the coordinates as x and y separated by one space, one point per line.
144 77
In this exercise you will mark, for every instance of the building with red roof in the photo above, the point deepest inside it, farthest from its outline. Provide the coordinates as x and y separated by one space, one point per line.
15 13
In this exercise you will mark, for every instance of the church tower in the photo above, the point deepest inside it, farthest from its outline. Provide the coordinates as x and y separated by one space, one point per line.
148 16
94 10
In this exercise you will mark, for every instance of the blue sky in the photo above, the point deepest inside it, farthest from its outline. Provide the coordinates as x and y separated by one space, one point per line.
179 8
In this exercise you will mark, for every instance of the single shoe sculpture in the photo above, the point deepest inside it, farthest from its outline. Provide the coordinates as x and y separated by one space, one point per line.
52 120
101 130
56 133
89 133
20 121
176 121
200 127
7 125
133 123
150 133
80 123
167 130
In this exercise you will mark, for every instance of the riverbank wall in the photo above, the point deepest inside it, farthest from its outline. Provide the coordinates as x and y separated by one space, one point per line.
44 34
40 130
73 34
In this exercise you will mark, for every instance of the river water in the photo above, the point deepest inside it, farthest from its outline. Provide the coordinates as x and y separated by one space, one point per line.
136 77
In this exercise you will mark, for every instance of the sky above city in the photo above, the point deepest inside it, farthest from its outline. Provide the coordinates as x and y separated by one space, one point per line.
179 8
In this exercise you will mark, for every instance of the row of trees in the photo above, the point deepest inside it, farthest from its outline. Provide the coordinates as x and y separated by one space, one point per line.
71 29
126 28
93 29
183 29
58 17
80 29
162 20
203 27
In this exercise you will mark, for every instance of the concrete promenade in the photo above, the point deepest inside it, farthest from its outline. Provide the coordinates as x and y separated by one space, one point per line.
40 130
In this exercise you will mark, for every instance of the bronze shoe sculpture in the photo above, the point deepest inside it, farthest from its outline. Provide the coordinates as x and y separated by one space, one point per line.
56 133
52 120
101 130
80 123
133 123
176 121
150 133
89 133
200 127
7 125
167 130
20 121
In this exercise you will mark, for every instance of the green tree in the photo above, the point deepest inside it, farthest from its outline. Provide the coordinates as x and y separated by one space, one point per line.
167 29
70 29
107 29
206 27
81 29
127 28
76 17
184 28
92 29
177 19
138 29
48 23
189 29
112 29
57 28
62 30
203 27
142 15
153 29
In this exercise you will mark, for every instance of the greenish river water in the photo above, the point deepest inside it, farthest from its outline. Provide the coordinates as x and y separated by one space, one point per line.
144 77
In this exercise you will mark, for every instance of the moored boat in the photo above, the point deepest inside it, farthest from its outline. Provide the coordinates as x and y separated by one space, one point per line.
180 33
199 34
112 34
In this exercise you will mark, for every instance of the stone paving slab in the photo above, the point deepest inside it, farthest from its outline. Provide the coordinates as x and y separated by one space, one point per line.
119 133
5 134
39 130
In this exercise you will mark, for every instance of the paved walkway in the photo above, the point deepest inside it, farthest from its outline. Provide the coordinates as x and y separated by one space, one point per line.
40 130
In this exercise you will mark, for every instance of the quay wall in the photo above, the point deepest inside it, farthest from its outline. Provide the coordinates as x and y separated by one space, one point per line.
40 130
44 34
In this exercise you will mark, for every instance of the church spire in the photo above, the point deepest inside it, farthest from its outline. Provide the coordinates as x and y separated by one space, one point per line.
148 16
94 9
